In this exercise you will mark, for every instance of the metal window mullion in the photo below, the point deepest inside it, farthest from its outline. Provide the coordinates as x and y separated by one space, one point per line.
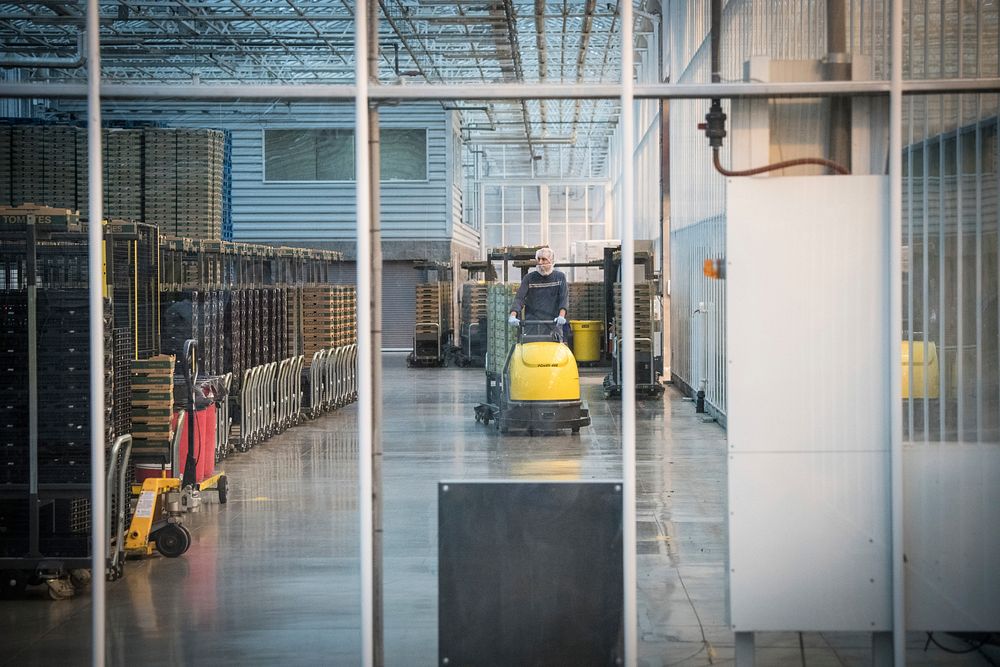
909 282
944 367
959 276
365 353
979 271
925 300
894 325
628 358
98 500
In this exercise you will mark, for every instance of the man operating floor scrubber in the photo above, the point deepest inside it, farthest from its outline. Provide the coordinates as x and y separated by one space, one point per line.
541 383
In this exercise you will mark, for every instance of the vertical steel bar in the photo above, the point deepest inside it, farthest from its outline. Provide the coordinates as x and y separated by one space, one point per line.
979 275
378 494
98 518
909 274
628 349
894 326
364 306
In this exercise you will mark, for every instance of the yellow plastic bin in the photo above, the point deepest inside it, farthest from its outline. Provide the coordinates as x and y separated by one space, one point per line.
587 339
924 361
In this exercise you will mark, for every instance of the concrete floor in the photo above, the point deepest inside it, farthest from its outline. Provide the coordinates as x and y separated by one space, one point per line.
273 576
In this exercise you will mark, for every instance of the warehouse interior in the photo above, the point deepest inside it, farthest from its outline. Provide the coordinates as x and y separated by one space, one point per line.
264 399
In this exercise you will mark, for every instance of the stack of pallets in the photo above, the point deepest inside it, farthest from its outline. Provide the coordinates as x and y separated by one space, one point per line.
6 194
59 154
122 173
152 408
317 320
160 172
28 166
586 301
345 315
199 160
428 323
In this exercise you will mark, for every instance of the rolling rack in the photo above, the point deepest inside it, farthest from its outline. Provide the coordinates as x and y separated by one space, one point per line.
45 485
648 365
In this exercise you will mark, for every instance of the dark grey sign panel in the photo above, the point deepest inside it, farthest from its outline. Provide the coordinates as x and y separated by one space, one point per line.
530 573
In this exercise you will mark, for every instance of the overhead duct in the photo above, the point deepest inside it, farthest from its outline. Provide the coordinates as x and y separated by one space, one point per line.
72 62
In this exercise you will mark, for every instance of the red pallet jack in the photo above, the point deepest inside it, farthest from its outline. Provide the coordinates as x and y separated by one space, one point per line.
157 523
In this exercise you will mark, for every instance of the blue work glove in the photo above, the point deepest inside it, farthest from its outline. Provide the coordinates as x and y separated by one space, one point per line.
560 320
513 321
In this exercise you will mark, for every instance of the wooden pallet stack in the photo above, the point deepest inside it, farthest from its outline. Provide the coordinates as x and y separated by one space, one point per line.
499 335
586 301
152 407
345 315
428 320
644 294
122 173
317 320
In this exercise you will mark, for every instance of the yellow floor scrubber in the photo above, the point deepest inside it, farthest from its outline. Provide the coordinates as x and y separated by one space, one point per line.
540 387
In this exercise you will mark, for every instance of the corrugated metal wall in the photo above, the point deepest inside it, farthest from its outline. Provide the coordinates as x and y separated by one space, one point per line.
398 282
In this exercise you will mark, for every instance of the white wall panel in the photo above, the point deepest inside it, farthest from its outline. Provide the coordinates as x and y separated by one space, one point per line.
808 402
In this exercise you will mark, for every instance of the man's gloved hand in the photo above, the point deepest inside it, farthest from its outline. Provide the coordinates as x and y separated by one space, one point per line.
560 320
513 321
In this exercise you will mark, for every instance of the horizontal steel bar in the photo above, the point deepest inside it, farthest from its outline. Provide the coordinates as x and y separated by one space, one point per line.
525 91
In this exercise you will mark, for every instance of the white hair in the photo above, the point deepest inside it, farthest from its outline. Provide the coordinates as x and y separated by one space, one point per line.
545 251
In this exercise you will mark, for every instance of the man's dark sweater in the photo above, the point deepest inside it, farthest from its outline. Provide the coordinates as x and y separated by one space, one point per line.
541 296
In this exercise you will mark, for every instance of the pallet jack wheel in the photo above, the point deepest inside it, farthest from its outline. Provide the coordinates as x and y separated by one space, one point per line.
172 540
80 579
222 486
60 589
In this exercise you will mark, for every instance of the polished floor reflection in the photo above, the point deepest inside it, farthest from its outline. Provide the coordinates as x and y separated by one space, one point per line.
273 576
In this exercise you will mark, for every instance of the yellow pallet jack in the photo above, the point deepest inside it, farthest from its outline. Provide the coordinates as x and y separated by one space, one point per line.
157 523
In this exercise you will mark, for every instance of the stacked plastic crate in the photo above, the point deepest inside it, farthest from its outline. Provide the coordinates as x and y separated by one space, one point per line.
586 301
27 162
59 152
499 335
6 172
123 166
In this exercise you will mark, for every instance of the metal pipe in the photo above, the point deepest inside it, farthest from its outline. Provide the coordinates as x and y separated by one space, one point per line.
364 301
837 67
894 326
72 62
95 264
628 349
532 91
716 39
